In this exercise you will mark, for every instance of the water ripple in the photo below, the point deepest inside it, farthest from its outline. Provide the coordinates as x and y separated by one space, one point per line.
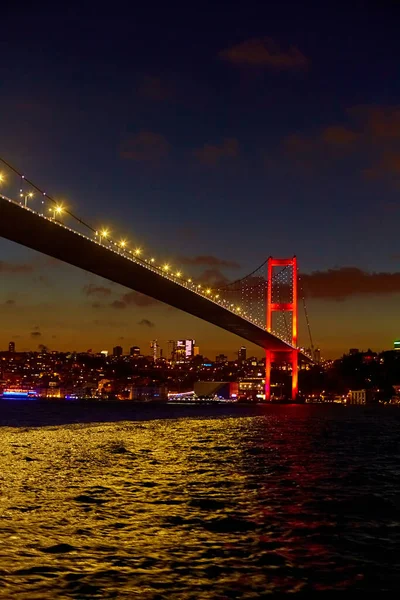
299 501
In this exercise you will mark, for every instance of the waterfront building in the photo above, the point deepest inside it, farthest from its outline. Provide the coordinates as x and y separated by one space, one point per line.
357 397
221 389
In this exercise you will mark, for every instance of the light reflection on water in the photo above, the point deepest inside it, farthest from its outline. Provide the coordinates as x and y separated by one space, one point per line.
300 499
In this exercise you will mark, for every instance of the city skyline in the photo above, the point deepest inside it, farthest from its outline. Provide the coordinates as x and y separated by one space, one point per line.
259 142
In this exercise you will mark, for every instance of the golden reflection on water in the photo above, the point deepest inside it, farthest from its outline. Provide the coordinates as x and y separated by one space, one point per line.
185 508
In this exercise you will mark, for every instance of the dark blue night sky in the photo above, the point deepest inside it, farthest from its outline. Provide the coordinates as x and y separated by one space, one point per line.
232 130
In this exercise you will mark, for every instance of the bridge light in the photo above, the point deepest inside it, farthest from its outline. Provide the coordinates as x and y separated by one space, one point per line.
2 178
137 251
103 234
189 281
123 244
57 210
152 260
208 291
178 273
166 268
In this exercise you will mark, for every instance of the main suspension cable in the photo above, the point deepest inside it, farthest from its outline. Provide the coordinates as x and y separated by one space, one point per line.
44 194
306 315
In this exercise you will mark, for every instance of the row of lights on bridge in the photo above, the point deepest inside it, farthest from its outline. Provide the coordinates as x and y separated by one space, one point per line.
104 234
58 210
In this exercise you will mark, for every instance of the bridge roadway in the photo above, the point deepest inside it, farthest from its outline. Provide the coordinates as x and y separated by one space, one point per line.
28 228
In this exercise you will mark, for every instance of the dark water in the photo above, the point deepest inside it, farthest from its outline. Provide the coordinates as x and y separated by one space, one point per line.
224 502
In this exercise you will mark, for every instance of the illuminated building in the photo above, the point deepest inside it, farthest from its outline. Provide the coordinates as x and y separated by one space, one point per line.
396 345
357 397
252 388
11 347
184 350
117 351
155 347
146 393
135 351
242 354
171 349
196 350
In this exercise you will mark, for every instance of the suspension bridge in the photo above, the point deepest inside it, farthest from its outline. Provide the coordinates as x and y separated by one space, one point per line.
261 307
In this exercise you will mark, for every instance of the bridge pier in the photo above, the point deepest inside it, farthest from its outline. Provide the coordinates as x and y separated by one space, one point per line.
275 304
295 374
291 358
268 374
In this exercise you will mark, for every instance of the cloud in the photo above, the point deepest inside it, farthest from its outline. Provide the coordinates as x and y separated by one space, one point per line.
372 133
388 164
211 155
338 135
6 267
109 323
97 305
155 89
214 278
378 121
146 323
118 304
133 299
264 53
344 282
35 334
209 261
42 279
146 146
96 290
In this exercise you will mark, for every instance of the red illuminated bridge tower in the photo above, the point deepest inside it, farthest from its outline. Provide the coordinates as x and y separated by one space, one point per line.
282 301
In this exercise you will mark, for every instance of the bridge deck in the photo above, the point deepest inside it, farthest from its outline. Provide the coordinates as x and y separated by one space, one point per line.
28 228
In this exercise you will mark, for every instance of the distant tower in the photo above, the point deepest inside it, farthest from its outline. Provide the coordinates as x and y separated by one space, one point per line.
154 346
11 347
117 351
172 349
242 354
